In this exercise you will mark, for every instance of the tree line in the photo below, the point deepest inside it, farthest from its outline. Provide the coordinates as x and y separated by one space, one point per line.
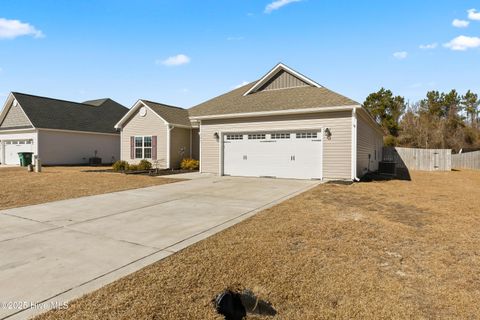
440 120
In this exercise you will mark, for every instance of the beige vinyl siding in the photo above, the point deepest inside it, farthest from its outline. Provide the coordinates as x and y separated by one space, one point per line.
337 152
283 80
369 140
150 125
179 146
195 144
15 118
62 147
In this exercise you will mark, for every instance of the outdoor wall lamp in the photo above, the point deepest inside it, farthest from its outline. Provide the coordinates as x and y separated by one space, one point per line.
215 135
328 133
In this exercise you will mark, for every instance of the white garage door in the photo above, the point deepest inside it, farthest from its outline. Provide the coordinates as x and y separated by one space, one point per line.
13 147
295 154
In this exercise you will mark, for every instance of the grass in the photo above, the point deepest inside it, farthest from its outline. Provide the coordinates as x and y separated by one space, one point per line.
395 250
21 188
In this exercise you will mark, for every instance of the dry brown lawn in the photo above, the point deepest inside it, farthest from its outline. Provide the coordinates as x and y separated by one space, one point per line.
20 188
380 250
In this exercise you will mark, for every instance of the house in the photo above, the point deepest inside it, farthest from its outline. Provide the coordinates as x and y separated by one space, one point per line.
159 133
288 126
59 132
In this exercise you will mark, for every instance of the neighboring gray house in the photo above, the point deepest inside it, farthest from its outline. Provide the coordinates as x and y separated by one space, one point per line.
286 125
59 132
159 133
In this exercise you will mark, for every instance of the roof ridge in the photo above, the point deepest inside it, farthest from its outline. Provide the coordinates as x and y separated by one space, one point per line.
56 99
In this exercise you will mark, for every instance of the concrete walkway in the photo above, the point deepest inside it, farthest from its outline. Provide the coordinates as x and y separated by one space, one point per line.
54 252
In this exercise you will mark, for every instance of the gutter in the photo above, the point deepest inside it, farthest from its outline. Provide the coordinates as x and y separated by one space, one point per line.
273 113
169 129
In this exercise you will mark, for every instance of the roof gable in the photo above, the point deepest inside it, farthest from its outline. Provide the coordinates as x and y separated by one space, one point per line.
14 117
283 80
281 77
248 100
168 114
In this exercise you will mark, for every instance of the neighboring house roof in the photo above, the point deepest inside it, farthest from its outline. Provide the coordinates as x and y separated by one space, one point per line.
94 116
169 114
279 90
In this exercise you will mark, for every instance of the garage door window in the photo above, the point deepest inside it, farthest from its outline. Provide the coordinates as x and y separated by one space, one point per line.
143 147
234 136
280 135
256 136
306 135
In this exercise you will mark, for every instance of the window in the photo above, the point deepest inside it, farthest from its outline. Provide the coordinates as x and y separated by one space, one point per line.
143 147
234 136
306 135
256 136
280 135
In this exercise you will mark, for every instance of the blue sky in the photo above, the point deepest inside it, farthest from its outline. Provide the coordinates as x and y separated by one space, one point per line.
79 50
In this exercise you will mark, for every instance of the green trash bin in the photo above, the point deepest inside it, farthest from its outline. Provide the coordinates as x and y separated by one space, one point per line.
25 158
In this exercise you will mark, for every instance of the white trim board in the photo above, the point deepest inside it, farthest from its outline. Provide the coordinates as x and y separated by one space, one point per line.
82 132
277 112
274 71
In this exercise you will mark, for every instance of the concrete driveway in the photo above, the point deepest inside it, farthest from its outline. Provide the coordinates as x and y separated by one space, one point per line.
54 252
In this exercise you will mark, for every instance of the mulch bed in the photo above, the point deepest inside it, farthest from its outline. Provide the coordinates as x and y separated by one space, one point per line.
153 172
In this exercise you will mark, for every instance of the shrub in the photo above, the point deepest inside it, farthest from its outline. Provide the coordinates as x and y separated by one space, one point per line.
133 167
144 165
190 164
120 166
390 141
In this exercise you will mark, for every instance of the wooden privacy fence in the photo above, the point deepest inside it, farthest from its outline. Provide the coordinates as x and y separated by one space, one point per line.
469 160
419 159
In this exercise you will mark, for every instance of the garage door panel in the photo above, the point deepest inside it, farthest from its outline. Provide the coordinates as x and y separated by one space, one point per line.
13 147
277 155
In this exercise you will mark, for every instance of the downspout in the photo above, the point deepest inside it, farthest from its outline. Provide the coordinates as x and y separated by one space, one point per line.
190 152
200 144
354 144
170 128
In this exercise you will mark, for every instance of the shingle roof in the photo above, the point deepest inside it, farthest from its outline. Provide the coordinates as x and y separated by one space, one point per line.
273 100
171 114
51 113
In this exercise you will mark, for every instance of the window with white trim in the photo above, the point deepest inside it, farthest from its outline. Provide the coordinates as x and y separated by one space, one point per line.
306 135
234 136
256 136
143 147
280 135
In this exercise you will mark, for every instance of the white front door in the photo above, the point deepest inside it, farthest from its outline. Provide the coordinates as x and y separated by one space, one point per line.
13 147
289 154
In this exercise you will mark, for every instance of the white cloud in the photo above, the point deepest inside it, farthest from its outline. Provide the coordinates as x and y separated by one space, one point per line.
10 29
457 23
177 60
400 55
428 46
473 14
240 85
462 43
277 4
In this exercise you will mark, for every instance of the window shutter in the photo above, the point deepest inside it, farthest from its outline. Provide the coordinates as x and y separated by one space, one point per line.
132 148
154 148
